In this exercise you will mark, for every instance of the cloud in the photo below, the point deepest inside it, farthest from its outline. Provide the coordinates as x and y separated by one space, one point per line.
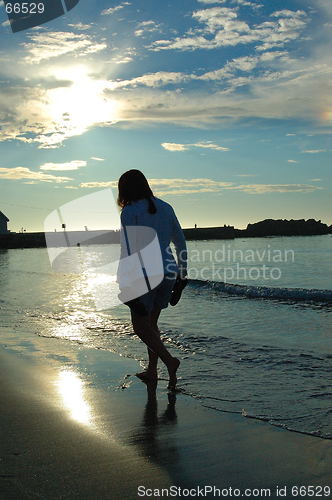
315 180
19 173
235 2
181 186
96 158
48 45
314 151
226 73
292 161
146 27
69 165
122 59
221 27
291 14
80 26
276 188
99 184
170 186
172 146
48 116
158 79
28 112
112 10
262 85
210 145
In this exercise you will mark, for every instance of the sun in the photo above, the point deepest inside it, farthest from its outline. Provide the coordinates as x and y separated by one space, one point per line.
327 116
81 104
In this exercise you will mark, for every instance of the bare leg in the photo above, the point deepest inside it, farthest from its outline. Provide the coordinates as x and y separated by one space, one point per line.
151 372
153 357
142 328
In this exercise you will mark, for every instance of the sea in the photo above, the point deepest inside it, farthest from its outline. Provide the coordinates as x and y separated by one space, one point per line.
253 329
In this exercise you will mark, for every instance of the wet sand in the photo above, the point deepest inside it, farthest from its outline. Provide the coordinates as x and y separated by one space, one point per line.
68 435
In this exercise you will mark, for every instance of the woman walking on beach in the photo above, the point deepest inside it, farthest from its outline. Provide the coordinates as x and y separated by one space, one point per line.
141 208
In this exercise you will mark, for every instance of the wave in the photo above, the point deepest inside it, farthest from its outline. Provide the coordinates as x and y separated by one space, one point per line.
266 292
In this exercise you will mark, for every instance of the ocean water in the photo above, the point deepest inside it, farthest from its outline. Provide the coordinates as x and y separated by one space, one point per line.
259 345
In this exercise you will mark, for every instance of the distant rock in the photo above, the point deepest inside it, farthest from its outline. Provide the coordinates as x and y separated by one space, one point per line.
284 227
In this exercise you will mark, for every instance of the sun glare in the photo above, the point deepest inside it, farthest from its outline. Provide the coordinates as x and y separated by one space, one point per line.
77 107
327 116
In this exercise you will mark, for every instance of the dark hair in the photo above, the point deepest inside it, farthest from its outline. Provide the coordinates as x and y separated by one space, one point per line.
133 186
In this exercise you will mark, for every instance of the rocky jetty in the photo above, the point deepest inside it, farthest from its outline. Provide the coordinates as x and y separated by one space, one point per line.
284 227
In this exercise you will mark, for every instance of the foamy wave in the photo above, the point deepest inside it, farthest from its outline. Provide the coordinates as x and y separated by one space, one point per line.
266 292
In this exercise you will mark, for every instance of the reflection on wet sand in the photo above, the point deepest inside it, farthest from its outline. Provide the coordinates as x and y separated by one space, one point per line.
149 437
71 389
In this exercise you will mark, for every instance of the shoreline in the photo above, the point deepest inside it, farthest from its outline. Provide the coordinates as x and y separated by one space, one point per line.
108 237
120 434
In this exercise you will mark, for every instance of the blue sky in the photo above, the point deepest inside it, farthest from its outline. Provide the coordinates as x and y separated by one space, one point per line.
225 105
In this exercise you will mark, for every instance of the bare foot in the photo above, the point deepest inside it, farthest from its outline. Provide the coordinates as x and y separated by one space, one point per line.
172 368
147 375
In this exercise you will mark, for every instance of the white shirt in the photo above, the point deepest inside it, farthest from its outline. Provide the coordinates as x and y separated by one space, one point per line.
167 228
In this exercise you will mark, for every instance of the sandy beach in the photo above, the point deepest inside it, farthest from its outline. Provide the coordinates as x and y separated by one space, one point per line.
77 424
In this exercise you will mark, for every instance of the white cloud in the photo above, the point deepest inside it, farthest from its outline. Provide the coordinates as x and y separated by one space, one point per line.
171 146
19 173
157 79
122 59
292 161
210 145
69 165
315 180
235 2
146 27
99 184
221 27
298 14
180 186
47 45
112 10
96 158
314 151
227 72
80 26
276 188
286 88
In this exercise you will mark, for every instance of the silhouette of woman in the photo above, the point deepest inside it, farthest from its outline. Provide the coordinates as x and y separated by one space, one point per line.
141 208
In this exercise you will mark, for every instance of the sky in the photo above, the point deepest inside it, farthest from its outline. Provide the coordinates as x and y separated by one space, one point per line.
226 106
